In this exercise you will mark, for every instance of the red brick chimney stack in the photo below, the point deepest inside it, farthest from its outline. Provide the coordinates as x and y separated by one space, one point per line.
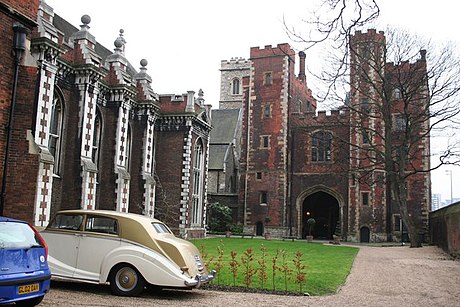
302 76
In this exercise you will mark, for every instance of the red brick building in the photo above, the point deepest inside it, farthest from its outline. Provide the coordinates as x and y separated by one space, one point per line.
90 132
297 163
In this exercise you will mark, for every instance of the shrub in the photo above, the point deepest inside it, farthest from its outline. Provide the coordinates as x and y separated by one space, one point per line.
220 218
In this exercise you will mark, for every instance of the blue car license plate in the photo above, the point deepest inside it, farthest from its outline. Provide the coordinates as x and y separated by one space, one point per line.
28 288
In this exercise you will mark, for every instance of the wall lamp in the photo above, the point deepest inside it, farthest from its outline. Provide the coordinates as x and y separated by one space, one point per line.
19 40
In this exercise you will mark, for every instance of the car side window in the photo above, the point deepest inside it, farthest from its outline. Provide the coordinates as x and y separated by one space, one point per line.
101 225
67 221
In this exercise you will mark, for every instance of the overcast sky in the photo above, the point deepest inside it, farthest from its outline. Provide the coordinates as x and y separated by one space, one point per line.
184 41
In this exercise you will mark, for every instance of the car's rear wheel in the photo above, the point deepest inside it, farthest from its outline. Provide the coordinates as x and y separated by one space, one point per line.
125 280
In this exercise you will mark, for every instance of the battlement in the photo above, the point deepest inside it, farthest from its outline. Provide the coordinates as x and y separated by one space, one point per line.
236 60
331 116
370 36
235 63
406 65
268 50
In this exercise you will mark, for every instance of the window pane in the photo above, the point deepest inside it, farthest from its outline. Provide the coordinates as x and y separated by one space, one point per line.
67 221
16 235
161 228
321 146
365 198
102 225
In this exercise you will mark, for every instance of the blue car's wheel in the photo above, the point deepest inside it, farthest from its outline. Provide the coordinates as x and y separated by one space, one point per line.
30 302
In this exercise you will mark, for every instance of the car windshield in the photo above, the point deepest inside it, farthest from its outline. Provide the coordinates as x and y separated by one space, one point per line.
160 228
17 235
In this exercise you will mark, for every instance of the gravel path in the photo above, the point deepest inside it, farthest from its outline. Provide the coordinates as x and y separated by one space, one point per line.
380 276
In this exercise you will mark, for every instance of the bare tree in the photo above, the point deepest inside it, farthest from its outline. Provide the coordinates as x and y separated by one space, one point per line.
331 24
399 95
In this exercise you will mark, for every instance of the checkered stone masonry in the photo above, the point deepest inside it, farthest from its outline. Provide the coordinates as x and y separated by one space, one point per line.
43 195
185 187
42 204
122 183
89 169
149 169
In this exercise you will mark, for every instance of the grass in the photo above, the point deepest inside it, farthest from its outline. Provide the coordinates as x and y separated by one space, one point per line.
325 266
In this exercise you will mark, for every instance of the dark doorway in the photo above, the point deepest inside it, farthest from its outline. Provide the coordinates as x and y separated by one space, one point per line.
259 229
324 208
364 235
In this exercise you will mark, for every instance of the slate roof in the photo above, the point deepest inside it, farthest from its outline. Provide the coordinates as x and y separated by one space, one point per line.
217 156
224 123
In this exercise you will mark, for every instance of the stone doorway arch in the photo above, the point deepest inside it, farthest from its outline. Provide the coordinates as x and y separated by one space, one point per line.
325 206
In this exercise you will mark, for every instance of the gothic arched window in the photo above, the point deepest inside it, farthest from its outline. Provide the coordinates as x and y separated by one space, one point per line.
197 197
236 86
97 138
56 128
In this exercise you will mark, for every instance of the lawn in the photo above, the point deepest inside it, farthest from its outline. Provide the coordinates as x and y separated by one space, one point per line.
300 267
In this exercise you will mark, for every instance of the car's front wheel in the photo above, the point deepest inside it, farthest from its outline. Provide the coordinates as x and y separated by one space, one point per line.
125 280
30 302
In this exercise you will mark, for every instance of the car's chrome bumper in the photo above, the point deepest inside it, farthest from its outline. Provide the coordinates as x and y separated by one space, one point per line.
201 279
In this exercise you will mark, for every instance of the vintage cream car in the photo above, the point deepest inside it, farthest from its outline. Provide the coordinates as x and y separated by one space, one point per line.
124 249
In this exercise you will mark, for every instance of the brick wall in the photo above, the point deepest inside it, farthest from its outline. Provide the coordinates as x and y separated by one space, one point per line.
22 164
445 229
169 157
28 8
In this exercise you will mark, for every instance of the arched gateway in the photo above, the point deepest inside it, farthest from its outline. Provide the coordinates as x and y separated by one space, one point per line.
325 206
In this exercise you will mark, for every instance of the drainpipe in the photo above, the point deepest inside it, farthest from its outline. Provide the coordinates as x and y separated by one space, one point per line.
19 46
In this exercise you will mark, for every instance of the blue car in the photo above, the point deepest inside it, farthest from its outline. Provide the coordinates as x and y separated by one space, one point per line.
24 273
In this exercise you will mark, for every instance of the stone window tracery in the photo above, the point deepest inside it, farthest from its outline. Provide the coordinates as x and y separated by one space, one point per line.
321 146
236 86
56 128
197 198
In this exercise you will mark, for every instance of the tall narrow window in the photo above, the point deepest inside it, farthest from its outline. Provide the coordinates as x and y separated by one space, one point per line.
267 111
236 86
397 93
56 125
263 198
399 123
264 141
365 108
268 80
365 198
152 158
321 146
97 138
197 197
365 137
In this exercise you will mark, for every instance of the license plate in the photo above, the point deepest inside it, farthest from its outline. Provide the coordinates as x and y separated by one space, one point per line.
28 289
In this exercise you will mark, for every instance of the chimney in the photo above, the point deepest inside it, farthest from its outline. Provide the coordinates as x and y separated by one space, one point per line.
423 54
302 76
190 107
